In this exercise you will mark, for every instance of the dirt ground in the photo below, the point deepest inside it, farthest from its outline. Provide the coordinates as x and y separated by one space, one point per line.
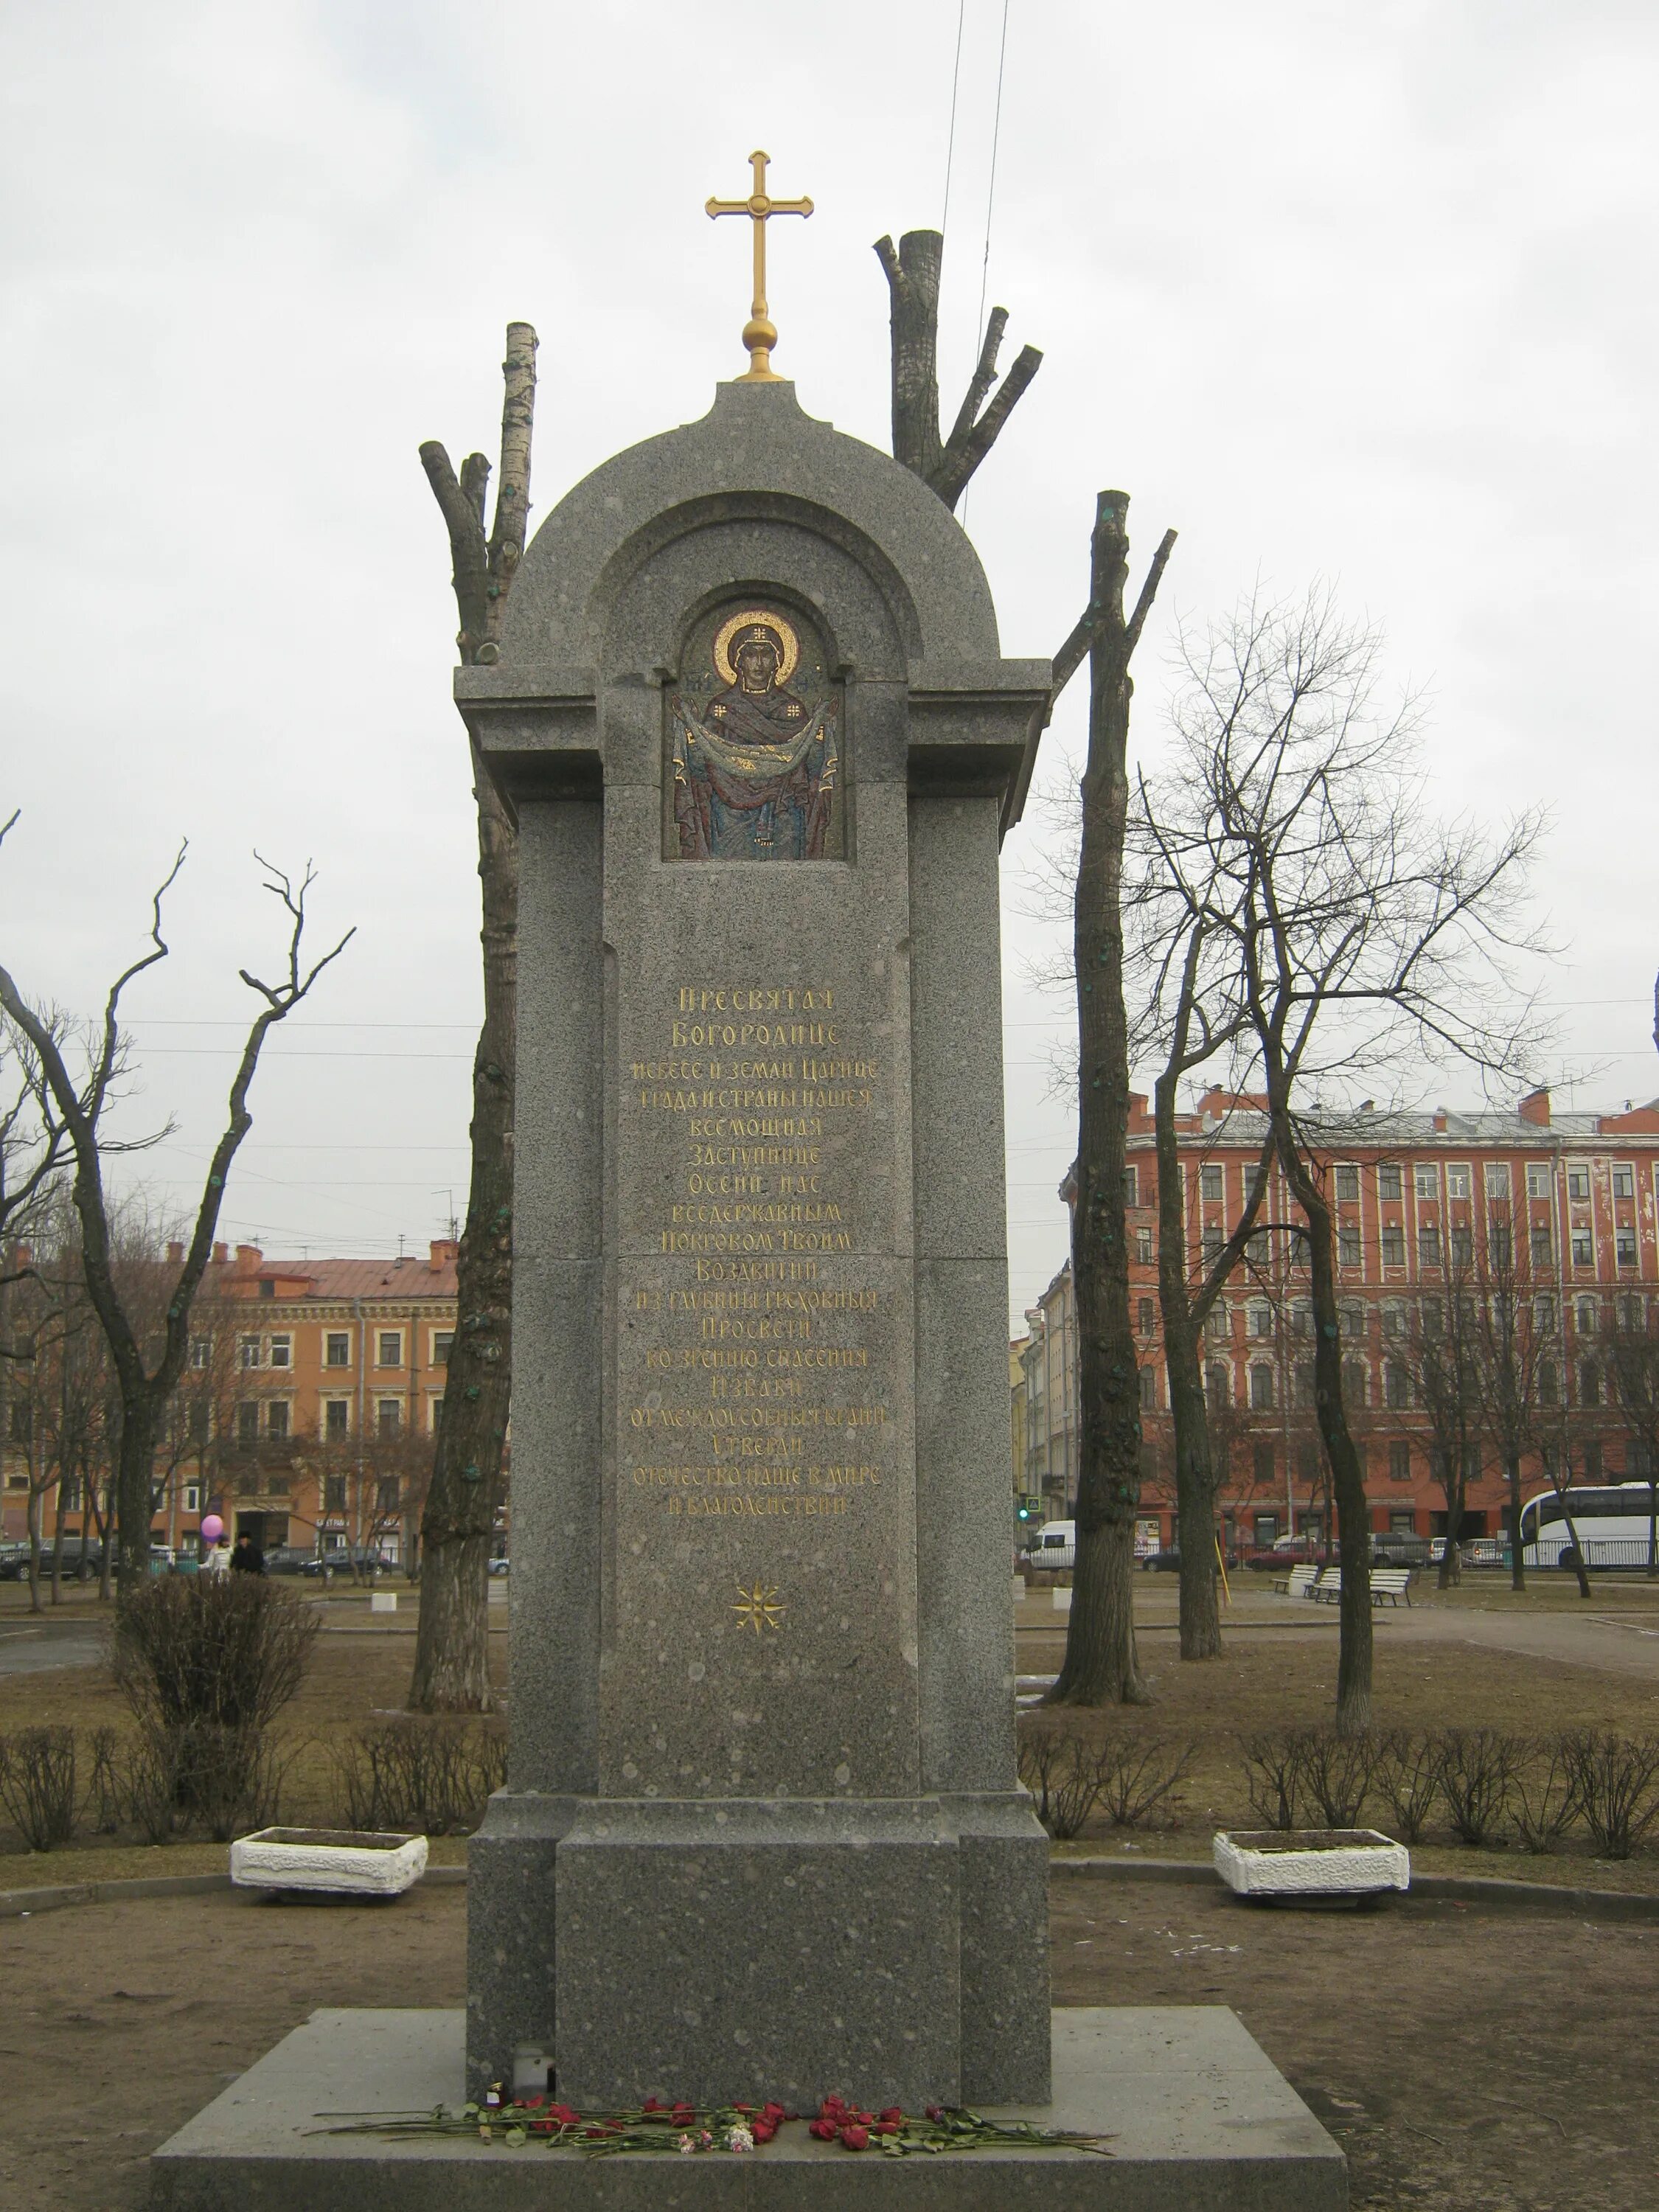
1468 2061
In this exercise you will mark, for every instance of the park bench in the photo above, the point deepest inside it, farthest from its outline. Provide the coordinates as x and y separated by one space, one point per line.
1390 1583
1298 1582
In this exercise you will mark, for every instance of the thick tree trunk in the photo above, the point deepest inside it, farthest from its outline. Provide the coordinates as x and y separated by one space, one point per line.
134 1492
1353 1669
1653 1532
451 1644
1101 1665
1196 1486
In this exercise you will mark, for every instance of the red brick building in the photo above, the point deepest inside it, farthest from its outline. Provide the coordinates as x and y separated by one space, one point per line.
1420 1200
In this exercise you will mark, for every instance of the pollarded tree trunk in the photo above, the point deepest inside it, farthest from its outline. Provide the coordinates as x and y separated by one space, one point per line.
1100 1666
1200 1618
458 1521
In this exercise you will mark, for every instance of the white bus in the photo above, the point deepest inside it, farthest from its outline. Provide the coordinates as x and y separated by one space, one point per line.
1610 1518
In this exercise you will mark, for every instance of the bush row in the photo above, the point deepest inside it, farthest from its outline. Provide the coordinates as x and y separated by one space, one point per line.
1489 1786
219 1780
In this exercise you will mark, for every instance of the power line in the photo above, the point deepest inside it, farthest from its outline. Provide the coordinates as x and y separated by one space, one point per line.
951 144
990 202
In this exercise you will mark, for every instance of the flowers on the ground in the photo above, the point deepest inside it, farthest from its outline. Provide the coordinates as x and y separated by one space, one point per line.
689 2129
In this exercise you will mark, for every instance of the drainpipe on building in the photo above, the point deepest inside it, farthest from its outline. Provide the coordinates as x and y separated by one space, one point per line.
362 1385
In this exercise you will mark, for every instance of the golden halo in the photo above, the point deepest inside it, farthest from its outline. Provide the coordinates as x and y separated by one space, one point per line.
788 643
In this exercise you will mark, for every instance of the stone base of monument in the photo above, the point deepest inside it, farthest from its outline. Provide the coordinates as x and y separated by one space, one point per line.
1198 2119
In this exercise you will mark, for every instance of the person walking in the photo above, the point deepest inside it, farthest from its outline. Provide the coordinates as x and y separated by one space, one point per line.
217 1561
247 1558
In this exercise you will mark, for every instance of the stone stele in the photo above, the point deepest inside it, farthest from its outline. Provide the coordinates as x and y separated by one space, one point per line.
762 1835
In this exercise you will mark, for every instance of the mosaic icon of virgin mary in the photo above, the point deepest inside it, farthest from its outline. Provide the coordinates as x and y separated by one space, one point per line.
755 765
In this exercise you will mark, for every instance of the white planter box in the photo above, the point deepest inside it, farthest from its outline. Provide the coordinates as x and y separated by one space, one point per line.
1062 1599
1312 1862
355 1861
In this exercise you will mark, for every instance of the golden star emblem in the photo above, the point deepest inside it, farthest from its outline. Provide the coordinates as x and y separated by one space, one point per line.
758 1608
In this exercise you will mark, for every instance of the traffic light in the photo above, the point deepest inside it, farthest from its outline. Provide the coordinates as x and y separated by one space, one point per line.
1027 1509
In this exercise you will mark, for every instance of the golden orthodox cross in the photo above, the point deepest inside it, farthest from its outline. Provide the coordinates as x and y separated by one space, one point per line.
759 335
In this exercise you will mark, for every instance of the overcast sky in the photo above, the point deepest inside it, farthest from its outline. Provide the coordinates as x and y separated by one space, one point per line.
1360 293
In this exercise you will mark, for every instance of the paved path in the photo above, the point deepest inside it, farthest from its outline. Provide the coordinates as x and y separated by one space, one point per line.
1614 1643
31 1647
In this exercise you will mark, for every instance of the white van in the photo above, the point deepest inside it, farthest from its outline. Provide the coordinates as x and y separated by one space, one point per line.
1054 1545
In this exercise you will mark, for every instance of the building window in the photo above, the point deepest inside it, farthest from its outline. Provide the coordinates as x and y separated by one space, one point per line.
435 1413
1302 1318
282 1352
1460 1239
1258 1248
1592 1459
1590 1383
1628 1307
1624 1244
1538 1179
1262 1389
199 1421
1394 1321
1131 1187
1428 1245
442 1338
336 1419
1578 1182
1266 1530
1547 1395
1495 1174
1209 1182
267 1288
1347 1186
1542 1245
386 1494
1148 1383
1307 1384
276 1417
248 1352
1624 1180
1354 1383
1396 1384
200 1346
1500 1245
1216 1322
1218 1388
248 1425
388 1414
1348 1245
1543 1314
334 1493
1400 1462
192 1497
1261 1319
1583 1247
1425 1179
1389 1180
389 1349
1210 1244
337 1349
1143 1247
1262 1464
1146 1316
1584 1317
1394 1245
1457 1179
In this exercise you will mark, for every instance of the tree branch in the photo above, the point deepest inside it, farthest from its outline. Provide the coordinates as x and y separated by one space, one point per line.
464 519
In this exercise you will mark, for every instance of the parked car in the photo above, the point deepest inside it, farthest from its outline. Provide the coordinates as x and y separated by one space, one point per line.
290 1559
1288 1552
1165 1562
15 1563
499 1566
346 1562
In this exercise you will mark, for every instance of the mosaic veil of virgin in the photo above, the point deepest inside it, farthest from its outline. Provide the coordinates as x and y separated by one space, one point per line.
754 748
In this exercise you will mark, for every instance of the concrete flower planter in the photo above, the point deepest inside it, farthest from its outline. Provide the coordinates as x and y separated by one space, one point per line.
1312 1862
349 1860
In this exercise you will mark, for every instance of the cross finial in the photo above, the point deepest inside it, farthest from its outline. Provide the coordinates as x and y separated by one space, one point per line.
759 335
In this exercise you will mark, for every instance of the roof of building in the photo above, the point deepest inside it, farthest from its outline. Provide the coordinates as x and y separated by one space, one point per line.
1239 1117
408 1277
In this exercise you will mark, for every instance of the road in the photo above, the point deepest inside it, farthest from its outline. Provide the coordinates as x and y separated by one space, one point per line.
30 1647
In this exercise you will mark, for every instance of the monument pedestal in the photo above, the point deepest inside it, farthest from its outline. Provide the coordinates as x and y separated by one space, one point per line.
1197 2118
751 1950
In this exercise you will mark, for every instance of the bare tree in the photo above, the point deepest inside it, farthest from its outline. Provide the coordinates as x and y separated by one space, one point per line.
1100 1666
1443 1357
83 1105
944 464
458 1522
1632 1369
1516 1317
1363 928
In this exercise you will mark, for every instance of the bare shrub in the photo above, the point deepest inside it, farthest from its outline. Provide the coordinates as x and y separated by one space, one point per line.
1477 1777
37 1784
430 1776
229 1650
151 1790
1405 1776
1275 1763
1058 1771
1336 1775
1543 1794
1134 1777
1617 1781
104 1791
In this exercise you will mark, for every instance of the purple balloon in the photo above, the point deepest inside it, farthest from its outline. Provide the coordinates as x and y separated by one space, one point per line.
212 1528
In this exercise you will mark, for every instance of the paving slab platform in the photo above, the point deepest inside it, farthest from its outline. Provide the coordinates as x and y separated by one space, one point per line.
1200 2119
